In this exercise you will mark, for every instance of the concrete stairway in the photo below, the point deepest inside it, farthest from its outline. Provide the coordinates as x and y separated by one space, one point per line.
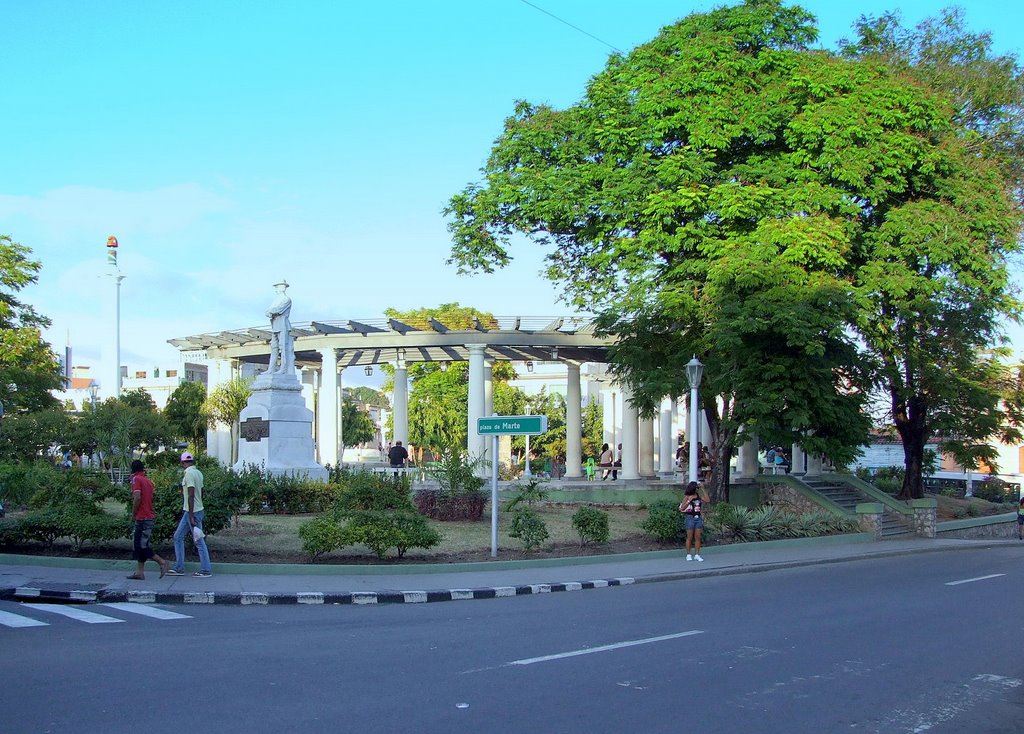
848 498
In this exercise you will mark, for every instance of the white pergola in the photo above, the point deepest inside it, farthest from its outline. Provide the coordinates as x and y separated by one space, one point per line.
325 348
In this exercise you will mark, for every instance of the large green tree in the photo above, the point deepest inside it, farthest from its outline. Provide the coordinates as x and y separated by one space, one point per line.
356 425
728 192
184 414
679 212
933 271
28 366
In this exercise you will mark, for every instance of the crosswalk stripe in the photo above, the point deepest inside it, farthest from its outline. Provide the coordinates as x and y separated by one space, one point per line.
16 620
154 612
74 612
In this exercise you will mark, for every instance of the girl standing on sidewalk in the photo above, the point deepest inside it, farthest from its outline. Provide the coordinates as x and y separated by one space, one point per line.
692 508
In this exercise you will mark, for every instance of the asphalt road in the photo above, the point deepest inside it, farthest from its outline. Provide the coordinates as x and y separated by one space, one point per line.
929 642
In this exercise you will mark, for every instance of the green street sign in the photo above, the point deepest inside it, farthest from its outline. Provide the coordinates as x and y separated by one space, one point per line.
512 425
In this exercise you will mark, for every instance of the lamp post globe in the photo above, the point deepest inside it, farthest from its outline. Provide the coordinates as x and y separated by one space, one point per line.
694 373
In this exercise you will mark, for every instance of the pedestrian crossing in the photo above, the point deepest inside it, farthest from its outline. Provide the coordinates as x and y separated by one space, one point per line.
20 615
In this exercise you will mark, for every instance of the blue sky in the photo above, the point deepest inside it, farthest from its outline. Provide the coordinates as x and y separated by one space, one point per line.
229 144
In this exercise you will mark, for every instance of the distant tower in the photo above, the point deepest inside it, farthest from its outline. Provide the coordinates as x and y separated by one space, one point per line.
113 357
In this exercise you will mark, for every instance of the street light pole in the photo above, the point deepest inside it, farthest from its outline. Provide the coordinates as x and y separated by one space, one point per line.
694 371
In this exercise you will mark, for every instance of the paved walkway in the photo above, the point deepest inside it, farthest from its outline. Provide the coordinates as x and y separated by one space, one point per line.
87 580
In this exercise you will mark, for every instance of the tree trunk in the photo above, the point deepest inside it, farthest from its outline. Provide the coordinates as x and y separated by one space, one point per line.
721 451
909 419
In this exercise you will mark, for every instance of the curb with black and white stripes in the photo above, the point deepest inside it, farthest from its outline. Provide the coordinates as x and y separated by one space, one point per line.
311 597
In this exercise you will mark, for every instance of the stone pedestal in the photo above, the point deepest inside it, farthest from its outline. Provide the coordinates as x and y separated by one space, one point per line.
276 429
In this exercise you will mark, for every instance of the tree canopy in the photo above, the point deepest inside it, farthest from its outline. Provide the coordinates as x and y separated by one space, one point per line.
726 191
28 366
184 414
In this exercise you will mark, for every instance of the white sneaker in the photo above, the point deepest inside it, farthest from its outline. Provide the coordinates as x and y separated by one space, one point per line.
697 558
689 557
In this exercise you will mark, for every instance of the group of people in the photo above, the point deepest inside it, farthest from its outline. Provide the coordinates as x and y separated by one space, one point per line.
776 457
610 462
144 519
704 461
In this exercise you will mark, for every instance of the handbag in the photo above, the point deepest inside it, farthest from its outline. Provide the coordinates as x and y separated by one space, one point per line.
197 534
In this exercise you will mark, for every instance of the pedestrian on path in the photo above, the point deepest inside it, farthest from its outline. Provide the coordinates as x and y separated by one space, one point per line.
692 508
191 520
605 461
143 518
1020 519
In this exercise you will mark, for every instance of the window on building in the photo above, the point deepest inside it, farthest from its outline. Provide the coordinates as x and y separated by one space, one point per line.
172 373
156 372
140 375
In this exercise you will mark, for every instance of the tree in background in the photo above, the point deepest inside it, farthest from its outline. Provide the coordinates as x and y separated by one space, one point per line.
26 361
593 429
438 412
184 414
932 277
356 425
368 396
225 404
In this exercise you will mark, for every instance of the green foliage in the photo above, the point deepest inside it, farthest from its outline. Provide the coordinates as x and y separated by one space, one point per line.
811 227
356 425
26 360
225 404
382 530
184 414
533 490
27 436
321 535
994 489
283 493
371 491
528 527
455 471
374 510
664 522
591 524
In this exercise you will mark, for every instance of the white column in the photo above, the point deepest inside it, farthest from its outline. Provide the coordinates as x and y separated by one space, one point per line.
488 390
327 419
610 416
486 443
796 460
476 405
667 450
110 383
573 422
645 446
400 408
630 438
748 463
813 465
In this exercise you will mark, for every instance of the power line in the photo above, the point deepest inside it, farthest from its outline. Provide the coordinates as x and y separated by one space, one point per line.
576 28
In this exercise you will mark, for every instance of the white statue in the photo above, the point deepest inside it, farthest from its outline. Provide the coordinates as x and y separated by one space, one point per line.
282 352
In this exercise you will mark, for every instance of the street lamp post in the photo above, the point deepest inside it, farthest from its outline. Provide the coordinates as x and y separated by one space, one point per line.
694 371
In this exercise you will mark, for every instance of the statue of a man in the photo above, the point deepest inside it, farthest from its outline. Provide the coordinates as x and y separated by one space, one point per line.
282 353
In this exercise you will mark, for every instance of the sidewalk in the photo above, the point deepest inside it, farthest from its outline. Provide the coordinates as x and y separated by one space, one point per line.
89 580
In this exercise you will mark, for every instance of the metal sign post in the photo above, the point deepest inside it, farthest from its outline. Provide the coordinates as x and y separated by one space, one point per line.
505 425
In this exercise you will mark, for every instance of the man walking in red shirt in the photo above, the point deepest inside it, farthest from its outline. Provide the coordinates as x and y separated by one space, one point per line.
145 519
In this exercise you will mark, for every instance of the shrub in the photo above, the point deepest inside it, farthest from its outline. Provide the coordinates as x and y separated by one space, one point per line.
591 524
321 535
664 522
10 533
96 527
528 527
531 492
380 531
439 506
372 491
994 489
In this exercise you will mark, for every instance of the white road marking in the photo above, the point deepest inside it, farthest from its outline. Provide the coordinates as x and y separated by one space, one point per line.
979 578
74 612
145 611
603 648
16 620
